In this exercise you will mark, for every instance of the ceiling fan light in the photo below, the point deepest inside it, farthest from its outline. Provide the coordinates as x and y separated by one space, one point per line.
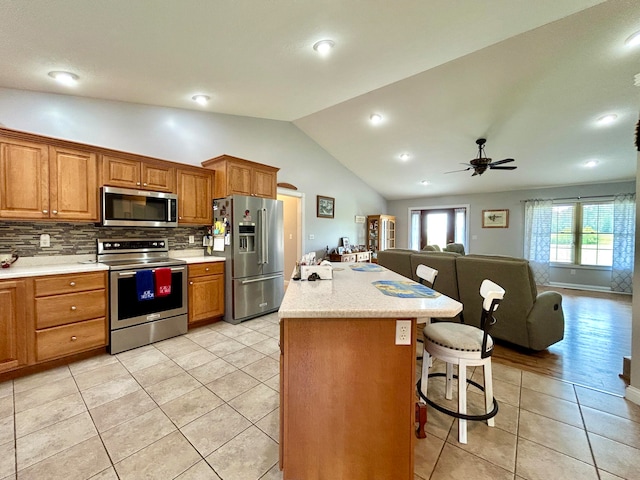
65 78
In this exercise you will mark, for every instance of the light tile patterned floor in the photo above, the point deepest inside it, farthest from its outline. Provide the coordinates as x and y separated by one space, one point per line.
205 406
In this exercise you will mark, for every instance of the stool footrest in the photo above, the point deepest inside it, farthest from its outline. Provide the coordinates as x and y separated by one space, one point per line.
442 409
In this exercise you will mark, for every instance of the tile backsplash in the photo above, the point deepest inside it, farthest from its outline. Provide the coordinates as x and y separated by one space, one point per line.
80 238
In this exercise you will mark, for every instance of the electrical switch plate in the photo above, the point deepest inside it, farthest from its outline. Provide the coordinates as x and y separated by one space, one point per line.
403 332
192 239
312 237
45 240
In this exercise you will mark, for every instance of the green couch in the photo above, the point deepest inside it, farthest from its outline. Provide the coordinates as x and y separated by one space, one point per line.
525 318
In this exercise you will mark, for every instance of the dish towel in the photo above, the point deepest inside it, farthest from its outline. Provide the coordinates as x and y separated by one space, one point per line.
163 282
144 284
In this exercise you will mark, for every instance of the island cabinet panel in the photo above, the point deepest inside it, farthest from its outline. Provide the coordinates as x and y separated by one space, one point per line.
13 343
347 400
24 180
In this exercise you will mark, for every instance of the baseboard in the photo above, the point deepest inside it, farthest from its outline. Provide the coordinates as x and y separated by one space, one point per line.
590 288
632 394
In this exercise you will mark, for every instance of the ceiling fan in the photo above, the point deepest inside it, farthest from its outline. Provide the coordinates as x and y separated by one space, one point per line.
480 164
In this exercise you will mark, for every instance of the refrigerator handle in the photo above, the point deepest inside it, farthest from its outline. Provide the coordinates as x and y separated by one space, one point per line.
264 232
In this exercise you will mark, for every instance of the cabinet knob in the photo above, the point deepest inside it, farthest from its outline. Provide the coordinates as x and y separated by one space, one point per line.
55 212
73 308
190 283
74 338
145 184
45 211
206 269
72 284
137 183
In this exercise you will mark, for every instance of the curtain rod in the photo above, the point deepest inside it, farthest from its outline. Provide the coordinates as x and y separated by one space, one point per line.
588 197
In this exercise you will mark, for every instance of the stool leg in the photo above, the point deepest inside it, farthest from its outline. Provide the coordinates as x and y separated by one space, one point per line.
449 391
462 401
424 379
488 392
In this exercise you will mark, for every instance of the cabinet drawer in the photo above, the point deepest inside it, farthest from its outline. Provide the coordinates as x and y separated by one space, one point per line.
78 282
70 308
199 269
363 257
350 257
69 339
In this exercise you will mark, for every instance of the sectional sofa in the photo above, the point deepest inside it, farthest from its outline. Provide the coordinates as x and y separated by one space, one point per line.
525 317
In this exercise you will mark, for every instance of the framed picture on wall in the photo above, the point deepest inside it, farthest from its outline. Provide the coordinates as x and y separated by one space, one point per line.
495 219
325 206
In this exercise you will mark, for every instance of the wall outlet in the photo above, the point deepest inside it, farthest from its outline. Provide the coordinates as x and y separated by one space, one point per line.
45 240
192 239
312 237
403 332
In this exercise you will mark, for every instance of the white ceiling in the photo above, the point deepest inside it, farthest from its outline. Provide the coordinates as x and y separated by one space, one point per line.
531 77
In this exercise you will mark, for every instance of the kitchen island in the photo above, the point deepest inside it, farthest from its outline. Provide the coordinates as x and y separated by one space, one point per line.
347 393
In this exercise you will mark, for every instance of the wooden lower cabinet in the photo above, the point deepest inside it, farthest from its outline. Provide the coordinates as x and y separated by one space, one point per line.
206 291
13 325
341 418
70 314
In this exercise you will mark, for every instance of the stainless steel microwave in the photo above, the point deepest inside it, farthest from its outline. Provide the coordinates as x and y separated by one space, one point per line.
124 207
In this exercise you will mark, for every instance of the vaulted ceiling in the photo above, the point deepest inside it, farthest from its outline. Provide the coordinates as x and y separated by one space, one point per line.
533 79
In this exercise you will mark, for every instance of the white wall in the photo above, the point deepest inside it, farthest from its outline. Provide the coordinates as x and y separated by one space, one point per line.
189 136
509 241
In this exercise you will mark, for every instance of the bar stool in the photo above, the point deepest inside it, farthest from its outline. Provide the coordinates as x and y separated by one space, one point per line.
463 345
425 274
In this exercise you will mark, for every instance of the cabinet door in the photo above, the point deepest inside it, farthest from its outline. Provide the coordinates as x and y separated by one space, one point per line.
238 179
73 184
13 343
194 197
120 172
264 183
158 178
24 180
206 297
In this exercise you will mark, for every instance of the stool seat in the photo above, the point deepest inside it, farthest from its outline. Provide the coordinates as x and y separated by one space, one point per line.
456 336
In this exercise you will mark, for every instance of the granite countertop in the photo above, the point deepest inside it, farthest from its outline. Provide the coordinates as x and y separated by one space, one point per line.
350 294
60 265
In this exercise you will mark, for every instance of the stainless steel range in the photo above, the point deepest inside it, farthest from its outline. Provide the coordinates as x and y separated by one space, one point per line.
135 322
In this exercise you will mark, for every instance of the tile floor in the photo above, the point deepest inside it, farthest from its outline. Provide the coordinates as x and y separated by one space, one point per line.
205 406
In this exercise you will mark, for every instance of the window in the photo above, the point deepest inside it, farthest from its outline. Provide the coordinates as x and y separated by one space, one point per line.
582 233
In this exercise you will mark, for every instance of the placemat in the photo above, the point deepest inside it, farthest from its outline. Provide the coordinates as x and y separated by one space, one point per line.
404 289
366 267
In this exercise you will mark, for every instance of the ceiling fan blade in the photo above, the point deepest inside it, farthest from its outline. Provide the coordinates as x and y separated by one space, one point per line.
502 168
463 170
506 160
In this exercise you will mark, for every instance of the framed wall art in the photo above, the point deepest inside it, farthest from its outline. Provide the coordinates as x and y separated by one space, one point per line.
495 219
325 206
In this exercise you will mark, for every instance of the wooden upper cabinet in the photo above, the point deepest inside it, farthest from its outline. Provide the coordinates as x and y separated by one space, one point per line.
73 184
194 196
128 173
237 176
24 179
41 182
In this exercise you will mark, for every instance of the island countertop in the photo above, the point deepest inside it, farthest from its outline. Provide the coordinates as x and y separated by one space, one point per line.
351 294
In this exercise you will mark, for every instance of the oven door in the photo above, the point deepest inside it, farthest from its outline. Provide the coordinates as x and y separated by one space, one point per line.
127 310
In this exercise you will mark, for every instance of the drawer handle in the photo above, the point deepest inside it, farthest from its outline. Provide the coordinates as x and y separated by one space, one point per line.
73 284
73 308
74 338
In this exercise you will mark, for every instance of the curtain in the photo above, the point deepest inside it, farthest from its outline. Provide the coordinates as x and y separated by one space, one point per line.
537 237
624 225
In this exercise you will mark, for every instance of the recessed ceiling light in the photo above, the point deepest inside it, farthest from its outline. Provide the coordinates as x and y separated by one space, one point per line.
633 40
591 163
607 119
66 78
375 118
323 47
201 99
404 156
425 182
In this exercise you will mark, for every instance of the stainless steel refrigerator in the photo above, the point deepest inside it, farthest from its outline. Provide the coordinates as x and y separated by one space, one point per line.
251 231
